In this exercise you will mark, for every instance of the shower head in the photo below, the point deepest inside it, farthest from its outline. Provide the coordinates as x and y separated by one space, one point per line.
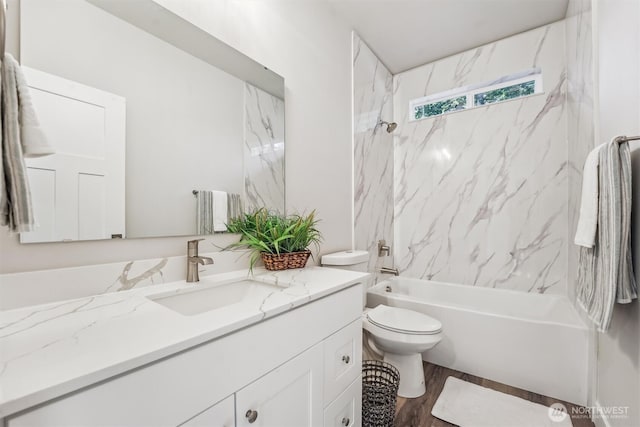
390 126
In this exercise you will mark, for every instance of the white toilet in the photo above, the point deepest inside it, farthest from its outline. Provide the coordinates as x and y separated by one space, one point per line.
399 334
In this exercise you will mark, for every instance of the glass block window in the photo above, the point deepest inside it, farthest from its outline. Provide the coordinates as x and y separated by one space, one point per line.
505 93
440 107
524 83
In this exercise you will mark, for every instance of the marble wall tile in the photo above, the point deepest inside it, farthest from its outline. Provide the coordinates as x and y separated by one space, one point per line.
580 116
373 154
481 195
44 286
263 150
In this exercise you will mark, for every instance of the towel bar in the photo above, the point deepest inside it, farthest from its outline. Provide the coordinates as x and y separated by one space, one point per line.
621 139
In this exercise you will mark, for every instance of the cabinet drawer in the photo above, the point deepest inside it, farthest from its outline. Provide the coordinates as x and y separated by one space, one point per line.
221 414
346 410
342 359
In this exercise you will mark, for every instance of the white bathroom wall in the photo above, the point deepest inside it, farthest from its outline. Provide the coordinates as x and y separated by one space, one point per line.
580 139
263 150
311 48
481 195
307 44
617 38
373 154
180 109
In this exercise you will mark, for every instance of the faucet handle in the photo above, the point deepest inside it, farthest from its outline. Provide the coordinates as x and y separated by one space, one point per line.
193 244
192 247
383 248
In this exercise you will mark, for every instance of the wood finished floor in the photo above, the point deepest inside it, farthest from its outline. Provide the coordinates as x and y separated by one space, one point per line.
417 412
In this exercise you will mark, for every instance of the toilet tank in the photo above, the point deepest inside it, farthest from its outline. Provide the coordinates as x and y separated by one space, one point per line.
347 260
350 260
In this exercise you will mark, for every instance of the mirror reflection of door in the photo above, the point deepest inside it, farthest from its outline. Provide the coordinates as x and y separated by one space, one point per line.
79 192
200 117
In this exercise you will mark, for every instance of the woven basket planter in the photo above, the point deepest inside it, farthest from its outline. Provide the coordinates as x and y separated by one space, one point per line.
285 261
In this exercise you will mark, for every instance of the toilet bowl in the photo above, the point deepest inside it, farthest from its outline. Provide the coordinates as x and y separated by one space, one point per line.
397 334
401 336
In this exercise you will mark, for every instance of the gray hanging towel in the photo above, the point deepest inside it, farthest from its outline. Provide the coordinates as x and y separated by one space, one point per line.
605 271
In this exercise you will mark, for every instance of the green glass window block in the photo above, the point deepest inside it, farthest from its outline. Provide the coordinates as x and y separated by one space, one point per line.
505 93
445 106
417 114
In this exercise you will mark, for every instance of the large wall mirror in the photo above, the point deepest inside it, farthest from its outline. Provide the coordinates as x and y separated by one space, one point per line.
159 128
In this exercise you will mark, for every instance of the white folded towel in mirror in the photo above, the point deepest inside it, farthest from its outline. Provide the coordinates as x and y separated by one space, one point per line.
219 211
211 211
33 139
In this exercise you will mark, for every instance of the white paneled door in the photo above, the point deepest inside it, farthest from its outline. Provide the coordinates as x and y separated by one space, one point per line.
79 192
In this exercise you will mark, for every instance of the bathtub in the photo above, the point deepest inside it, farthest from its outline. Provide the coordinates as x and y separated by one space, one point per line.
532 341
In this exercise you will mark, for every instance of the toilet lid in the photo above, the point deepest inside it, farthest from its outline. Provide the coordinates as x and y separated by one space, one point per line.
403 320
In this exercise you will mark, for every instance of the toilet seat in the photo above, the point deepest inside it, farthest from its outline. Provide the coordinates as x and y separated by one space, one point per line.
404 321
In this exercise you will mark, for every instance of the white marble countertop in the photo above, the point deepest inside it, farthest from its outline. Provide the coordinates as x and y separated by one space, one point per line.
52 349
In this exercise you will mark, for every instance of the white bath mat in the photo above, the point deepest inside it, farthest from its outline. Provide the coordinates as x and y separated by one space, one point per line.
470 405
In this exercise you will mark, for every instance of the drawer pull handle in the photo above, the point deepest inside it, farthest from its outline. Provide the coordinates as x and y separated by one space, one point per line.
346 359
346 422
251 415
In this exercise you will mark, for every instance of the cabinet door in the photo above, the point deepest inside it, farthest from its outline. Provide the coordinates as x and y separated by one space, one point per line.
346 410
222 414
289 396
342 359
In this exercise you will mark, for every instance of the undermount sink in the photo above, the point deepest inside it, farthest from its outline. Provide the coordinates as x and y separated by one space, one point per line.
199 300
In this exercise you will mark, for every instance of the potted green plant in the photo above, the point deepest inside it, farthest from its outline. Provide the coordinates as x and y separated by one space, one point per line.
281 241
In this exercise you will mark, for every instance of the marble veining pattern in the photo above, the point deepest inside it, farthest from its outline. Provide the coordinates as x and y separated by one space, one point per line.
580 116
45 286
373 154
481 195
263 150
39 287
127 283
40 344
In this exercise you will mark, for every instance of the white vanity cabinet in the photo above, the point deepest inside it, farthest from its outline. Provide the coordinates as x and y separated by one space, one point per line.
222 414
290 395
302 367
